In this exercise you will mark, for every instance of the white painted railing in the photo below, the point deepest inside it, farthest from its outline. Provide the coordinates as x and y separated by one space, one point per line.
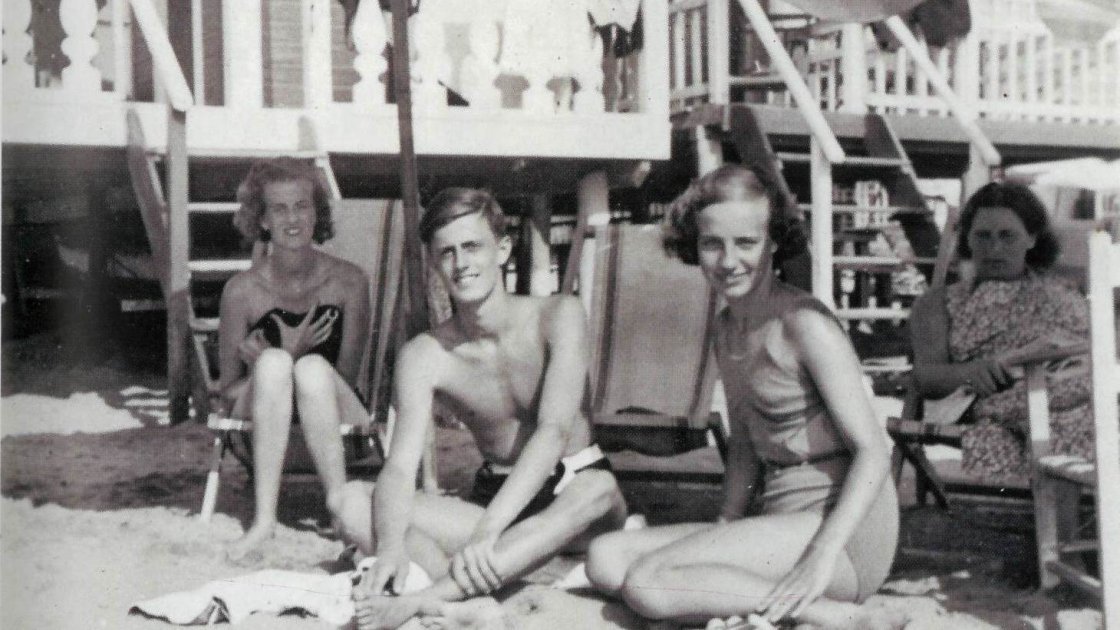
541 58
1010 67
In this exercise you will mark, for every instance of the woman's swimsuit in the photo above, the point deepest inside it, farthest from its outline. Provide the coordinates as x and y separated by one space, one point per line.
328 349
805 460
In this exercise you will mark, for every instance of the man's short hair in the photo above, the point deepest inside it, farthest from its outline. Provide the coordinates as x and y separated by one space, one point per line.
452 203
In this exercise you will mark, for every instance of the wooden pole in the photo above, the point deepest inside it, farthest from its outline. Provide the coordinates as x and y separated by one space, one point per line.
416 319
417 316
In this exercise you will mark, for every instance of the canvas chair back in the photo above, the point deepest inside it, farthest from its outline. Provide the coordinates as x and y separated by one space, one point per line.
370 234
650 318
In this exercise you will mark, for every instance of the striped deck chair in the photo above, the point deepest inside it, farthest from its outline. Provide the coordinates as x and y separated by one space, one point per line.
368 233
652 371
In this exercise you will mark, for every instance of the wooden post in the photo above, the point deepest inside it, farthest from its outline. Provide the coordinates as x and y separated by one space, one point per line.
593 208
242 39
709 153
653 81
820 172
719 52
853 67
416 320
536 229
178 276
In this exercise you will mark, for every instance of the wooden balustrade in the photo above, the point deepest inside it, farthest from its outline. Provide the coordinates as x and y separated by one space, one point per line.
462 45
1008 68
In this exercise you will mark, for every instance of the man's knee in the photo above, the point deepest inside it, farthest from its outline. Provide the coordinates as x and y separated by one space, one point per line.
607 561
313 374
273 363
597 494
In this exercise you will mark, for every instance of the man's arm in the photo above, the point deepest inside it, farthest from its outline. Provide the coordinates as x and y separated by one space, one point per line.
565 375
414 386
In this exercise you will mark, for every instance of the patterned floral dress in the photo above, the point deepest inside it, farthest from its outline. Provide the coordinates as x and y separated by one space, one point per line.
998 316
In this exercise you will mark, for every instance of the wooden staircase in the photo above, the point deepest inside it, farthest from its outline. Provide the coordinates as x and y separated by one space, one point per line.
851 269
195 246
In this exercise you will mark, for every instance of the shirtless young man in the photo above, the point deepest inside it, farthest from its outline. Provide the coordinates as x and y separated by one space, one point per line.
513 369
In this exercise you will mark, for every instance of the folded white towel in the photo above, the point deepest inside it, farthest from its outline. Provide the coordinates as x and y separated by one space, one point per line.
270 591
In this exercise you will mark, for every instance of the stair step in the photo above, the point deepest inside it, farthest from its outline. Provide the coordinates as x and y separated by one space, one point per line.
838 208
851 160
213 207
207 154
219 265
877 263
873 313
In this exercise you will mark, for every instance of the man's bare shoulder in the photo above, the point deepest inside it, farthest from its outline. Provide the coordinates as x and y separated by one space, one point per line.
562 314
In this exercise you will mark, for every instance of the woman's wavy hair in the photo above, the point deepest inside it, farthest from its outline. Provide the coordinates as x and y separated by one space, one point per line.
734 182
1030 210
455 202
250 194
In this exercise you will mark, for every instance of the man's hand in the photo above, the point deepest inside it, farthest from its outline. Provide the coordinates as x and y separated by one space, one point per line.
250 348
387 576
804 583
472 567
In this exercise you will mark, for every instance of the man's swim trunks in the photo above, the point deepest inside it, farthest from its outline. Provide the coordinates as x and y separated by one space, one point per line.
490 477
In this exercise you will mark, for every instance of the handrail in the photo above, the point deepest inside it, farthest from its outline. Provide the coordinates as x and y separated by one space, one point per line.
964 114
781 60
168 70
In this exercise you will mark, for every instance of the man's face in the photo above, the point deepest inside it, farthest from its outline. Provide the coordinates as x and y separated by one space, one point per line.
468 258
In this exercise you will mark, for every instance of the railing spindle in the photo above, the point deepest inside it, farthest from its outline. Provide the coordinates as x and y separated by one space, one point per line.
316 36
19 74
480 67
432 63
368 31
79 19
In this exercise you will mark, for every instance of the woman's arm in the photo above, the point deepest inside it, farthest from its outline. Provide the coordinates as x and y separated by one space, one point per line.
934 374
355 322
827 354
233 327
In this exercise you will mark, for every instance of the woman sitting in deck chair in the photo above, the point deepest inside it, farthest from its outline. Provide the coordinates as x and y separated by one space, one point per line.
809 523
291 336
967 334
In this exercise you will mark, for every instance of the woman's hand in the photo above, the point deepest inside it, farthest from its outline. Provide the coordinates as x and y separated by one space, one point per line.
299 339
387 575
250 348
804 583
986 376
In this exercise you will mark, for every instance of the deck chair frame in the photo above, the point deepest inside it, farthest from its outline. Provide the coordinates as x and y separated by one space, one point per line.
1059 479
626 272
379 253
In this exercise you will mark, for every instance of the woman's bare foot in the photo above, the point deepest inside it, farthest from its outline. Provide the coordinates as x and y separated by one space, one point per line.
847 616
257 535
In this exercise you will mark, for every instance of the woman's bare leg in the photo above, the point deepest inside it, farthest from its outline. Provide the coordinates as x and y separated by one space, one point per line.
325 400
610 556
271 411
729 569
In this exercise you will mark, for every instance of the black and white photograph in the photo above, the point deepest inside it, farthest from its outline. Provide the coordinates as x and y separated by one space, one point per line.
560 314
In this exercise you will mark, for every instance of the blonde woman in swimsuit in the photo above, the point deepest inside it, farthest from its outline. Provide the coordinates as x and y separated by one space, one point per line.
809 522
292 334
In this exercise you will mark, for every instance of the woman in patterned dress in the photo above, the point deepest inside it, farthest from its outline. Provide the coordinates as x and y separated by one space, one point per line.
964 334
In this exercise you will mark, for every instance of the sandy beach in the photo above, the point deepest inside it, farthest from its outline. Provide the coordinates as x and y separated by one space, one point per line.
101 497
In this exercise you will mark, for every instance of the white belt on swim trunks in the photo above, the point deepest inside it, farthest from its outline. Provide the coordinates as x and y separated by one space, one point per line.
573 464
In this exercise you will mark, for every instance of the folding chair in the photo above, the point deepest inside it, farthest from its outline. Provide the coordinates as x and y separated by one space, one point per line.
1059 479
368 233
652 372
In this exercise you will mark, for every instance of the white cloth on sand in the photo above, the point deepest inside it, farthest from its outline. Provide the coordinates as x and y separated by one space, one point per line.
271 591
